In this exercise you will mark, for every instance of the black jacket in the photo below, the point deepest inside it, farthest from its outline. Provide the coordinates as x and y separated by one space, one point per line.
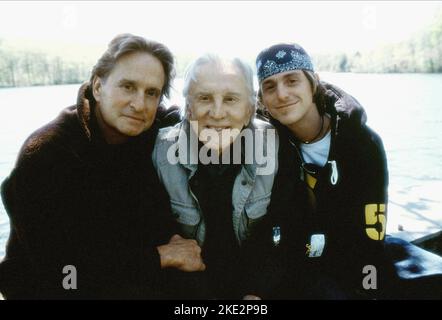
74 200
351 214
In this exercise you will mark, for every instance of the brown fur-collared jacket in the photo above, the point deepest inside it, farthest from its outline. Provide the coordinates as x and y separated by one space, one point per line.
74 200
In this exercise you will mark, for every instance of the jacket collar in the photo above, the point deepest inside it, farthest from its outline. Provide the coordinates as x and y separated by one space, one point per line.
344 106
84 108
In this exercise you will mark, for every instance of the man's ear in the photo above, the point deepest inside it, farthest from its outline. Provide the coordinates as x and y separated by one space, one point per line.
96 88
188 114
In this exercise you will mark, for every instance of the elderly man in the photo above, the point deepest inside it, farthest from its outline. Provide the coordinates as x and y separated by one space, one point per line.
218 166
88 216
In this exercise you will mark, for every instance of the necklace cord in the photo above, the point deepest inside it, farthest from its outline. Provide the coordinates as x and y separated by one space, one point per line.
319 132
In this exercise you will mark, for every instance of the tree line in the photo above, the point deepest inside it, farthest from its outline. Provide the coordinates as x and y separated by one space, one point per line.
421 53
30 68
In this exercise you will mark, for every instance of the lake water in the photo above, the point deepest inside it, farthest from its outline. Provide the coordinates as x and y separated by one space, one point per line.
405 109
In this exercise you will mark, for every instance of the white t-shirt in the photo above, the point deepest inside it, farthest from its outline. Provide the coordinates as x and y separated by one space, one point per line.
317 152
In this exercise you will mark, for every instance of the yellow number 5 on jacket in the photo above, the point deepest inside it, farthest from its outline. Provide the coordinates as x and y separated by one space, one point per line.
375 218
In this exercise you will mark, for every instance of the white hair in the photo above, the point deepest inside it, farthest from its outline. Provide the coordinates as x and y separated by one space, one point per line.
210 58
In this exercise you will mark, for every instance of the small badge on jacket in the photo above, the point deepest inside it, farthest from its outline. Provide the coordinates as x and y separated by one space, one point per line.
276 235
316 246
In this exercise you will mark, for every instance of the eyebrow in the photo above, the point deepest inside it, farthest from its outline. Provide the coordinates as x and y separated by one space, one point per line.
295 73
268 81
132 82
208 93
125 81
233 93
202 93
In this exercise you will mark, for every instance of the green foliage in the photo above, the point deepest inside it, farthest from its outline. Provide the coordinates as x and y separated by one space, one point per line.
421 53
29 68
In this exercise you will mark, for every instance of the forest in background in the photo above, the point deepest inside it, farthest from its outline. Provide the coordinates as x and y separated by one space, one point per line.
420 54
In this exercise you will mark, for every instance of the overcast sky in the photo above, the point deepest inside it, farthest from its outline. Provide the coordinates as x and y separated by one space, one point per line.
192 27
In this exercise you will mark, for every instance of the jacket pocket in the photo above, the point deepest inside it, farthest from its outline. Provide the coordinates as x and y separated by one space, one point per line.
254 211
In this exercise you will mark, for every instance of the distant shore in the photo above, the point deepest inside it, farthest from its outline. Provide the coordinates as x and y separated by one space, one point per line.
179 77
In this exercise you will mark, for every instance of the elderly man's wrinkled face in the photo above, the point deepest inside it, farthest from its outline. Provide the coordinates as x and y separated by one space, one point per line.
219 105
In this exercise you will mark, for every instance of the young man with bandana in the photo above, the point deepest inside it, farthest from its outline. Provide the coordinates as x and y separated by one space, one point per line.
327 217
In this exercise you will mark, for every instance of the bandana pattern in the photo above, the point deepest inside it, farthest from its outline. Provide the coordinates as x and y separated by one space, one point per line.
282 58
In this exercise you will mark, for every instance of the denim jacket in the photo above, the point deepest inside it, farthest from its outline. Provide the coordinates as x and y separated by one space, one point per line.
175 158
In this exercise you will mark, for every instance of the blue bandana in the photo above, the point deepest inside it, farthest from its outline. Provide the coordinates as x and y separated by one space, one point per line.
281 58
